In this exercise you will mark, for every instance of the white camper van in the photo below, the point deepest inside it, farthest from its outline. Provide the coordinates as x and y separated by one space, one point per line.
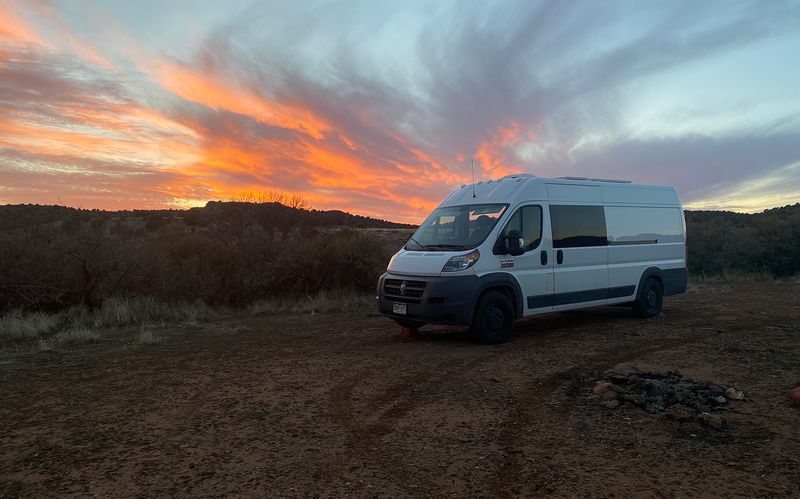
522 245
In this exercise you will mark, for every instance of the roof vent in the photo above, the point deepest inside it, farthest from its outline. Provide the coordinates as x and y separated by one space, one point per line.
596 179
518 176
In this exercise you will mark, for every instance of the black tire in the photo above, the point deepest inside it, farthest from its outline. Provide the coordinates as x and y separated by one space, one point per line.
494 318
651 297
409 323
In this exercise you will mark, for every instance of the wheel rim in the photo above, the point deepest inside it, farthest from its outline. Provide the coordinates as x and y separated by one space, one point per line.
652 298
495 317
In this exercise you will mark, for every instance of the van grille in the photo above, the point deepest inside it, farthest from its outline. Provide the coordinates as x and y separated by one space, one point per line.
404 289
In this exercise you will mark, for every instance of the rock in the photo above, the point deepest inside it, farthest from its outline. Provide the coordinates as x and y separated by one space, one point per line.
622 372
680 412
612 404
601 388
609 395
654 406
734 394
258 413
633 398
794 395
670 394
616 388
711 420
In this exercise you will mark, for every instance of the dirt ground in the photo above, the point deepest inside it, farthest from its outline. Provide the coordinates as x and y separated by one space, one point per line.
342 405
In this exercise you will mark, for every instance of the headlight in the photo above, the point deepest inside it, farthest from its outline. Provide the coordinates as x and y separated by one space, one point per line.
461 262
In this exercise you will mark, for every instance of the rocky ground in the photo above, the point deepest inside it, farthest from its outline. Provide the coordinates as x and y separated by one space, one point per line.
589 403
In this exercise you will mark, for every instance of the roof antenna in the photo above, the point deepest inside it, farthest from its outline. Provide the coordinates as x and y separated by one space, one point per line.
473 177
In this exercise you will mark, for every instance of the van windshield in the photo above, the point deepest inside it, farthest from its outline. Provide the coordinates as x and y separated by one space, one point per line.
455 228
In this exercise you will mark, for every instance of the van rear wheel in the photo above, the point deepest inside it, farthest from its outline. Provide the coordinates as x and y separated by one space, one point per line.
494 317
650 299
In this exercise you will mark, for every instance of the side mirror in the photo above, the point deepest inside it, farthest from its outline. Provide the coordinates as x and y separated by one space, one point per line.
512 243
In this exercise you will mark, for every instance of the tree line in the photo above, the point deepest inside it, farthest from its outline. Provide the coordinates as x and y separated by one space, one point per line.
227 253
721 242
234 253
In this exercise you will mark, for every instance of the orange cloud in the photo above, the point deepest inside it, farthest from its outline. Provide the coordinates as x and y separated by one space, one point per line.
492 154
85 50
238 138
15 30
206 88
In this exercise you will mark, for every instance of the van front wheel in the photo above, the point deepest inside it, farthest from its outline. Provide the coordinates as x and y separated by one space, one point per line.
650 299
494 317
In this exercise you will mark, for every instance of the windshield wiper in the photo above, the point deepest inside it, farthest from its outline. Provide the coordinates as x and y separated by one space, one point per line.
445 246
421 246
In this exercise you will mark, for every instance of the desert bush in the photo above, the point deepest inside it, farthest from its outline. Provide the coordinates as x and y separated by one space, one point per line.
240 253
721 243
231 254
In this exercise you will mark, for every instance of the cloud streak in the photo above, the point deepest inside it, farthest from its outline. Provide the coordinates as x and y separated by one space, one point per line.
379 109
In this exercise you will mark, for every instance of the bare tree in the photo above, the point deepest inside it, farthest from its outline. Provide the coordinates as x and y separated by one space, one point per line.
295 201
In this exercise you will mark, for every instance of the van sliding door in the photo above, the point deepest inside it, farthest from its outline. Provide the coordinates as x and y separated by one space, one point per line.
580 246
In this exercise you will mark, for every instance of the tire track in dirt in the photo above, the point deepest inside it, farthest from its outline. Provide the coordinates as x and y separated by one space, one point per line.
387 410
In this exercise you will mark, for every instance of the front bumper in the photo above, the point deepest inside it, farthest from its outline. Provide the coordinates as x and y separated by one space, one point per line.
436 300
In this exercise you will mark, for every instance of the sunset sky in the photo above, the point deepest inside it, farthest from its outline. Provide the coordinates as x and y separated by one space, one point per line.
377 107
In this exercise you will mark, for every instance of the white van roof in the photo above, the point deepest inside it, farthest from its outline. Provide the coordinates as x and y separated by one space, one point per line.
520 187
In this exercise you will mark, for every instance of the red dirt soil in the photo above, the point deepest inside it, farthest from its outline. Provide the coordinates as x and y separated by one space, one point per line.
343 405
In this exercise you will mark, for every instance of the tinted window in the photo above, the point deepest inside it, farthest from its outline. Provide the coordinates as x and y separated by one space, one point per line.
644 225
575 226
528 222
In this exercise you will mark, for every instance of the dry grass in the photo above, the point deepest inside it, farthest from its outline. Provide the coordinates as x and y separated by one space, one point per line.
78 336
17 325
147 336
321 303
78 325
732 276
146 310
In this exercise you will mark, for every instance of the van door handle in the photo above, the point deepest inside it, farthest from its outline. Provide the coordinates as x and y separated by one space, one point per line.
543 257
559 257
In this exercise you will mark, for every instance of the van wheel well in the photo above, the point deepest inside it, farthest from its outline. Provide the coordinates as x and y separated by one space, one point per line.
650 273
508 291
657 278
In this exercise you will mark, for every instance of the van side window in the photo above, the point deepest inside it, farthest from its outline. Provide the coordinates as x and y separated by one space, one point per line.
639 225
576 226
528 222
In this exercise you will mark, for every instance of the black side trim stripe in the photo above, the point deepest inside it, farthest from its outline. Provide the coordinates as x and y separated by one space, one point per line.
625 243
579 296
620 291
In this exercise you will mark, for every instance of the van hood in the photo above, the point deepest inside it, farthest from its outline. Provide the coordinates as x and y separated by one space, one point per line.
422 263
